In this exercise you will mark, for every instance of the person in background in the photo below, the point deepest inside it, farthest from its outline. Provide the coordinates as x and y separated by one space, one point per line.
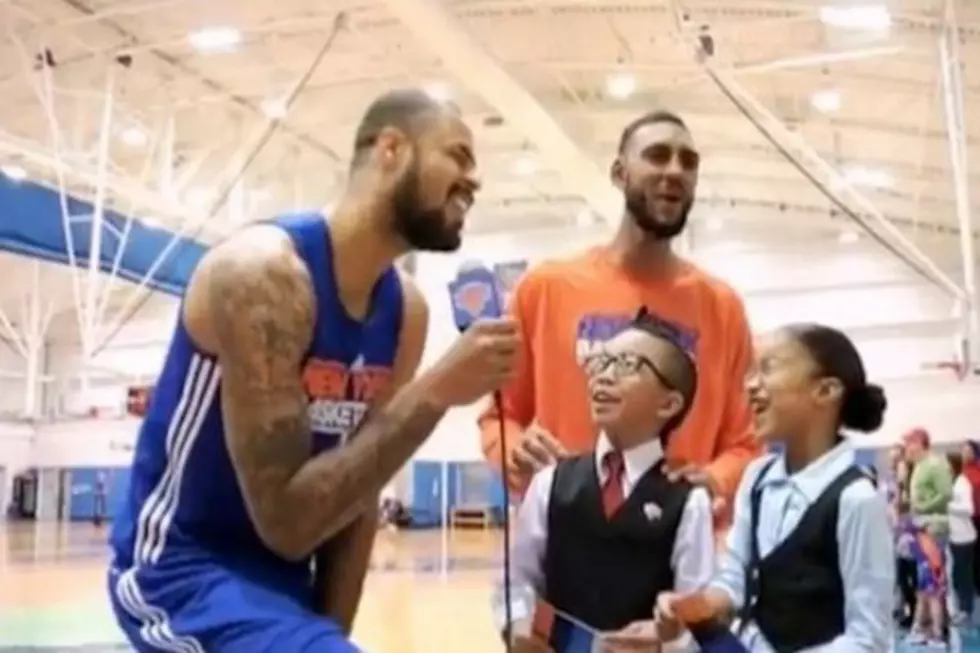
930 492
970 451
962 541
807 564
599 536
100 499
905 565
567 309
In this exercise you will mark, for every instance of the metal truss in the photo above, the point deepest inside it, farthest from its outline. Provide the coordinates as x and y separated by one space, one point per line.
951 64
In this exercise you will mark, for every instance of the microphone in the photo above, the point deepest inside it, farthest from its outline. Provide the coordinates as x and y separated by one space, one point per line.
475 295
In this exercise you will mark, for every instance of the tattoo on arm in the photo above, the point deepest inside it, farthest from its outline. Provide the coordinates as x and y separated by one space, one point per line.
262 310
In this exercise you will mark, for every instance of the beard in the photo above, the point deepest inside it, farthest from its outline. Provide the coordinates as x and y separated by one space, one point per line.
646 218
423 229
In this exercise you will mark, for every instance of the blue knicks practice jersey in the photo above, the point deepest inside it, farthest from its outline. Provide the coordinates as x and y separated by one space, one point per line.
184 500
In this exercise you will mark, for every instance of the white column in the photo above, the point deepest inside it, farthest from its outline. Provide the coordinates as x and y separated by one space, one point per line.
37 318
43 83
952 78
94 278
165 171
237 203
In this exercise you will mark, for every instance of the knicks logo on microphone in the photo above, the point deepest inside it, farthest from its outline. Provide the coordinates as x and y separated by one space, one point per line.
473 298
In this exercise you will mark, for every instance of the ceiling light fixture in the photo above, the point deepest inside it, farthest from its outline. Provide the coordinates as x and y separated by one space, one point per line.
274 109
826 101
215 39
584 218
621 85
439 91
134 137
848 237
874 17
525 166
858 175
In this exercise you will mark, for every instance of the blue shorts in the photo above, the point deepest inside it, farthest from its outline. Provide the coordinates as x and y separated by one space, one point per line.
931 573
205 608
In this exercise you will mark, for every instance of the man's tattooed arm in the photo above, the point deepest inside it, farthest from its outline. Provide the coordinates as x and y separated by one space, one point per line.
262 313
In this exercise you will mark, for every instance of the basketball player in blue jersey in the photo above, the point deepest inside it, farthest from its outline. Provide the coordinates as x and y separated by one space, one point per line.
288 400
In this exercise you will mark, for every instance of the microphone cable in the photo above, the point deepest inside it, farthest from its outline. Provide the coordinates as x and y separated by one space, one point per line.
508 610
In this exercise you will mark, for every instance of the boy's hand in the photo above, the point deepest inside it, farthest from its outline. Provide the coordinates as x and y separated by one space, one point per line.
698 476
667 623
638 637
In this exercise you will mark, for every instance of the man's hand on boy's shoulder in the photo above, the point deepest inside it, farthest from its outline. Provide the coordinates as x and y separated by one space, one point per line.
536 449
698 476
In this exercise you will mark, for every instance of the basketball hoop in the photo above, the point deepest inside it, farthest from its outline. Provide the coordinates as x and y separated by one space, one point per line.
956 367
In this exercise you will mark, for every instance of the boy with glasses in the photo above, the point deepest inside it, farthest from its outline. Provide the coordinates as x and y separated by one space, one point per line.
600 535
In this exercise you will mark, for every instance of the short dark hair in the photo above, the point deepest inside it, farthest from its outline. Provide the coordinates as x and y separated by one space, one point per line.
406 109
651 118
863 408
682 371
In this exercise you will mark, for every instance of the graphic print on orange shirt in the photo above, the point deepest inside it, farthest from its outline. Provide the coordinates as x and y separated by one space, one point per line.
340 396
595 329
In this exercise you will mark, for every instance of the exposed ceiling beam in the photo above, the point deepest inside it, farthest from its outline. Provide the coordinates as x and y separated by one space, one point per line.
447 37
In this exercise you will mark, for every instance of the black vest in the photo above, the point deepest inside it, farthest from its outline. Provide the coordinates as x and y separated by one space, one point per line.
795 595
608 573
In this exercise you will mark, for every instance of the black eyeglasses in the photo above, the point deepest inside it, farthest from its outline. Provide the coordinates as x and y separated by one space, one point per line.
623 364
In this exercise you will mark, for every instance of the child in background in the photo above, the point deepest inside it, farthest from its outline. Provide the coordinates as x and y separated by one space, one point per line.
930 492
808 562
962 539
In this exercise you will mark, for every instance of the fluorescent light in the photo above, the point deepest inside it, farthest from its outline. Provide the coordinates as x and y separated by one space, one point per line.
13 173
134 137
439 91
215 39
848 236
525 166
714 224
274 109
868 17
584 218
199 197
857 175
259 196
621 85
826 101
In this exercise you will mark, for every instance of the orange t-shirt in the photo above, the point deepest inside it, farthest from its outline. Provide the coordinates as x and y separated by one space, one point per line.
568 306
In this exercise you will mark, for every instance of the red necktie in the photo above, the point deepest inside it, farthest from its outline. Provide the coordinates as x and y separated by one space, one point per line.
612 489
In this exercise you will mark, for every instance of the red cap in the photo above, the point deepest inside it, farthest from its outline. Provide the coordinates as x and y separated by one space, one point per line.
917 435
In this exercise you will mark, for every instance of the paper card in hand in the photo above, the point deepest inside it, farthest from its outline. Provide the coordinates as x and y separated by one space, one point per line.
561 632
696 612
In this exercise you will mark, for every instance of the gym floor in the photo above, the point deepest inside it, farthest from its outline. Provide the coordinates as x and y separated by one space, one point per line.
428 592
417 599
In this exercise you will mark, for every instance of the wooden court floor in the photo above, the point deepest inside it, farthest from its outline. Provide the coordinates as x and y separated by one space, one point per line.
427 591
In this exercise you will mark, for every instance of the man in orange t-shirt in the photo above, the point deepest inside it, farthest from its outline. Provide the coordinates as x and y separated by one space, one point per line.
567 309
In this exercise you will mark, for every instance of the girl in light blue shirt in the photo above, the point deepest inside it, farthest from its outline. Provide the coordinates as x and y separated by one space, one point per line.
809 560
